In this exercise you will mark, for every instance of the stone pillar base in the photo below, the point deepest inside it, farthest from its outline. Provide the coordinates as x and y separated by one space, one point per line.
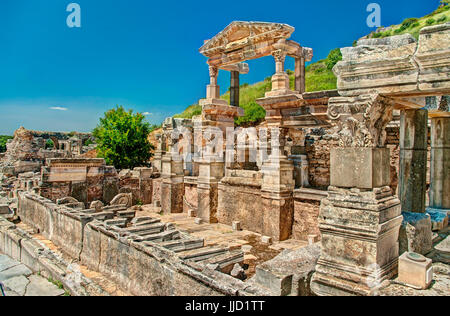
360 231
172 185
207 202
172 191
210 174
278 214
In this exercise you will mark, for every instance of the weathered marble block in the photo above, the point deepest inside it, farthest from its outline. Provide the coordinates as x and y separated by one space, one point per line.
363 168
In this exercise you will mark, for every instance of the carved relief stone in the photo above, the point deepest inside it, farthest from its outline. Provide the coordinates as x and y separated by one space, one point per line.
361 121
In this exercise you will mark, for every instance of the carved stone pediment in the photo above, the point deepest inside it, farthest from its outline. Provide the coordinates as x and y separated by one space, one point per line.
240 34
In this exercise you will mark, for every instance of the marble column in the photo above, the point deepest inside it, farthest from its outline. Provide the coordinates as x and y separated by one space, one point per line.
300 75
415 232
360 219
280 80
234 88
413 160
439 207
213 89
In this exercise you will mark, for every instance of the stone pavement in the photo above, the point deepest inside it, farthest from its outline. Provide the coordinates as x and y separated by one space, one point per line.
18 280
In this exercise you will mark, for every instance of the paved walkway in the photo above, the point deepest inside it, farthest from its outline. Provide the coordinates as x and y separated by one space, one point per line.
18 280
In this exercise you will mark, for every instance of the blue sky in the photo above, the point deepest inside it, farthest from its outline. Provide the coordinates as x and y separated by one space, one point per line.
144 54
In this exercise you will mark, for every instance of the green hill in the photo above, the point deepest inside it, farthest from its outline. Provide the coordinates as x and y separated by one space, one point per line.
414 25
319 75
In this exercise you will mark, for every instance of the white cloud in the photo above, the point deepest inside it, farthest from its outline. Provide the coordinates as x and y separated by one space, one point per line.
58 108
147 113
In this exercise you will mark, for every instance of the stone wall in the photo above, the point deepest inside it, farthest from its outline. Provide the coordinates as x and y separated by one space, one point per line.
137 264
60 224
240 200
85 179
318 152
306 215
139 183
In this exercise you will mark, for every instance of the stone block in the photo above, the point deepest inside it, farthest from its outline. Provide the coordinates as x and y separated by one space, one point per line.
312 239
439 218
415 270
266 240
279 284
290 272
198 221
236 226
363 168
415 233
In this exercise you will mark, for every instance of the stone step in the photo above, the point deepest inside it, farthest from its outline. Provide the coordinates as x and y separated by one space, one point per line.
126 214
201 253
225 262
146 230
102 216
148 222
120 222
114 208
138 220
161 237
183 244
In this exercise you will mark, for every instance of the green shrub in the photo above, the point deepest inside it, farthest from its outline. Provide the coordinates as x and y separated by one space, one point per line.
430 21
409 22
442 19
122 138
254 113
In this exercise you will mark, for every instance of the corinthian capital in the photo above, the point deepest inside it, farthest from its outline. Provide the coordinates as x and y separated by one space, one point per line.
360 121
279 55
213 71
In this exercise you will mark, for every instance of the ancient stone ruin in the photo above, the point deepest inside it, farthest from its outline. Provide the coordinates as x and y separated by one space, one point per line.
343 192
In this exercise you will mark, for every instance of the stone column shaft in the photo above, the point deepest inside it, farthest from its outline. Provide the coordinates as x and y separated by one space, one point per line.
300 75
413 160
234 88
440 163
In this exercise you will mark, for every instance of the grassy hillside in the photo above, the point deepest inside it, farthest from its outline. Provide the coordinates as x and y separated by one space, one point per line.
3 140
319 75
414 25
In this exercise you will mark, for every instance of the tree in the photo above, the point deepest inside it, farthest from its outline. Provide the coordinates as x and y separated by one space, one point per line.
122 139
3 140
333 58
49 144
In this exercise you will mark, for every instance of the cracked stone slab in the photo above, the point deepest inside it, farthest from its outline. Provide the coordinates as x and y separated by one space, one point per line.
40 286
17 284
15 271
6 263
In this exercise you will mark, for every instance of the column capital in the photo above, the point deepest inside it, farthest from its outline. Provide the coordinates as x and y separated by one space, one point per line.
360 121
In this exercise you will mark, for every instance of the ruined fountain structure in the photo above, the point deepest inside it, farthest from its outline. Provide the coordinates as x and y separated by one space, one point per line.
323 174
